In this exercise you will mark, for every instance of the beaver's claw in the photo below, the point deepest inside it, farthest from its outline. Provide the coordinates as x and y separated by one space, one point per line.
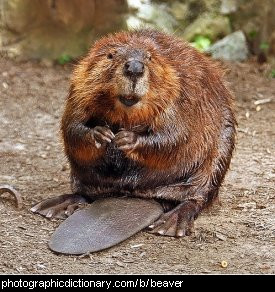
102 135
126 140
178 222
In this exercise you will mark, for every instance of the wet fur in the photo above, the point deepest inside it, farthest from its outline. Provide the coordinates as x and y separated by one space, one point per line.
185 122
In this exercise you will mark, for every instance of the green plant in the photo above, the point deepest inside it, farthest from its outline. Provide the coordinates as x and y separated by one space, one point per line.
273 73
63 59
252 34
264 46
201 43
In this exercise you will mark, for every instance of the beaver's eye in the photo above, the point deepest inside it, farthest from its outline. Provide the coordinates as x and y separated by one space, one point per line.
148 56
110 56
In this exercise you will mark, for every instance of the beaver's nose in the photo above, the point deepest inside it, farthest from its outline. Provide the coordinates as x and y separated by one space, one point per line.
134 68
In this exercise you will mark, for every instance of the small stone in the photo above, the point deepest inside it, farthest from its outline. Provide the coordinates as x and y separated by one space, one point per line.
258 108
5 85
40 266
142 254
224 264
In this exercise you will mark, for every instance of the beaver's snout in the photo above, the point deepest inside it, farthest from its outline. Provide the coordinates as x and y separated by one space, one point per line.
133 69
132 81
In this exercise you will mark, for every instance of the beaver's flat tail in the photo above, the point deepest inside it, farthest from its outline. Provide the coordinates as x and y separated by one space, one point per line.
103 224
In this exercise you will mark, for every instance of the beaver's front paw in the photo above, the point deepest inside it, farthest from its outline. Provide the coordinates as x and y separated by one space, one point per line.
178 222
126 140
102 135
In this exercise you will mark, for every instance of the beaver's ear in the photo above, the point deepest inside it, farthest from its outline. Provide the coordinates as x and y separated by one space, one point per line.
110 56
111 53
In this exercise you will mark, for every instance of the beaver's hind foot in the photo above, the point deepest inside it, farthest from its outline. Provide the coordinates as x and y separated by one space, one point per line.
178 222
59 207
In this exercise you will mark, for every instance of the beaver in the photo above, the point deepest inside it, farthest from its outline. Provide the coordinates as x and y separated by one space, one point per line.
147 116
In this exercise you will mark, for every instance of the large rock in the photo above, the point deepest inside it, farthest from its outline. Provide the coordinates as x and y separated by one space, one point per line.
151 14
209 25
54 28
185 18
231 48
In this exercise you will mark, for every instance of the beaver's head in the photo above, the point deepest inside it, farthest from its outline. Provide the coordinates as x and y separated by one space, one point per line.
129 77
131 74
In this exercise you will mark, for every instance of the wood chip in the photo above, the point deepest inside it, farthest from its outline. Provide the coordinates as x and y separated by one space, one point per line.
137 245
221 236
121 264
262 101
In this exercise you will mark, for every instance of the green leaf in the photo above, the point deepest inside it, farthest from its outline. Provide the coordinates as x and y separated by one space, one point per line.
273 73
201 42
264 46
63 59
252 34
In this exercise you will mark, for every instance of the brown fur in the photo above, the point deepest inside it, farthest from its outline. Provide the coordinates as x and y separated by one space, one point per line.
185 147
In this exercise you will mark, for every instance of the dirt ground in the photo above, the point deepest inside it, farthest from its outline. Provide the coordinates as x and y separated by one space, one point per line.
240 230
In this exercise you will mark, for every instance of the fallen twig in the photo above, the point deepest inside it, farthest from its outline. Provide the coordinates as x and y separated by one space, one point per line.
14 192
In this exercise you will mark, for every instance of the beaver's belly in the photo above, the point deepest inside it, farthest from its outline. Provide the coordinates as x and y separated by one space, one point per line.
116 165
116 174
